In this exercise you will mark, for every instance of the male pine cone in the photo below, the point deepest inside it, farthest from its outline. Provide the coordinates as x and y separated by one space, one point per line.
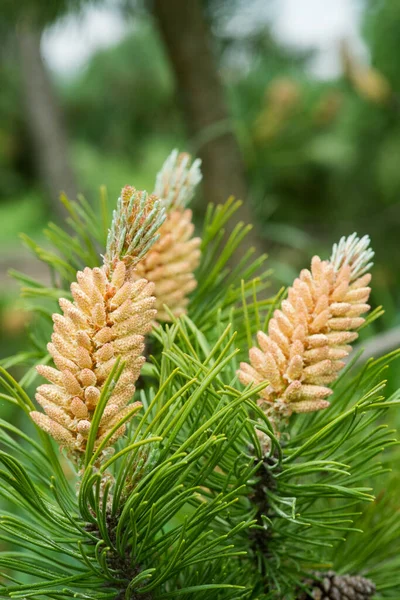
330 586
310 336
171 262
108 318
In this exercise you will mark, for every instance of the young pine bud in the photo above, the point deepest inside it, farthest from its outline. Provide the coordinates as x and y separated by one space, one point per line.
134 228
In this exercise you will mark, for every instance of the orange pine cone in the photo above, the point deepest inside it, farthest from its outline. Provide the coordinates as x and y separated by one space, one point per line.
108 318
171 262
311 335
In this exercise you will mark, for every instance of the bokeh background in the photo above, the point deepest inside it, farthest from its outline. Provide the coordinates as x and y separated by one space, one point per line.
293 105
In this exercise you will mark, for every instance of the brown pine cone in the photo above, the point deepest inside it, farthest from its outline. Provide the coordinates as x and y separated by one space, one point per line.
330 586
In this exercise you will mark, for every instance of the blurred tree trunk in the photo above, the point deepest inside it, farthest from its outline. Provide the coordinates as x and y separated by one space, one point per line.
187 41
44 119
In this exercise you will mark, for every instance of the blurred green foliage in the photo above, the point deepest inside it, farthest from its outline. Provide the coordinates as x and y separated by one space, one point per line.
125 98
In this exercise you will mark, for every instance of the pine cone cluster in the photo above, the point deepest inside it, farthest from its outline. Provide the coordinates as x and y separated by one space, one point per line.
171 262
329 586
310 336
108 318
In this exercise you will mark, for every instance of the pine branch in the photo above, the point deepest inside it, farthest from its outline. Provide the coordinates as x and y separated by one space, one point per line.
179 500
261 533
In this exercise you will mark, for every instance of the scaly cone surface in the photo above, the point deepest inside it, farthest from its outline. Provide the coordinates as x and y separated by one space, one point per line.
310 335
331 586
171 262
108 318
